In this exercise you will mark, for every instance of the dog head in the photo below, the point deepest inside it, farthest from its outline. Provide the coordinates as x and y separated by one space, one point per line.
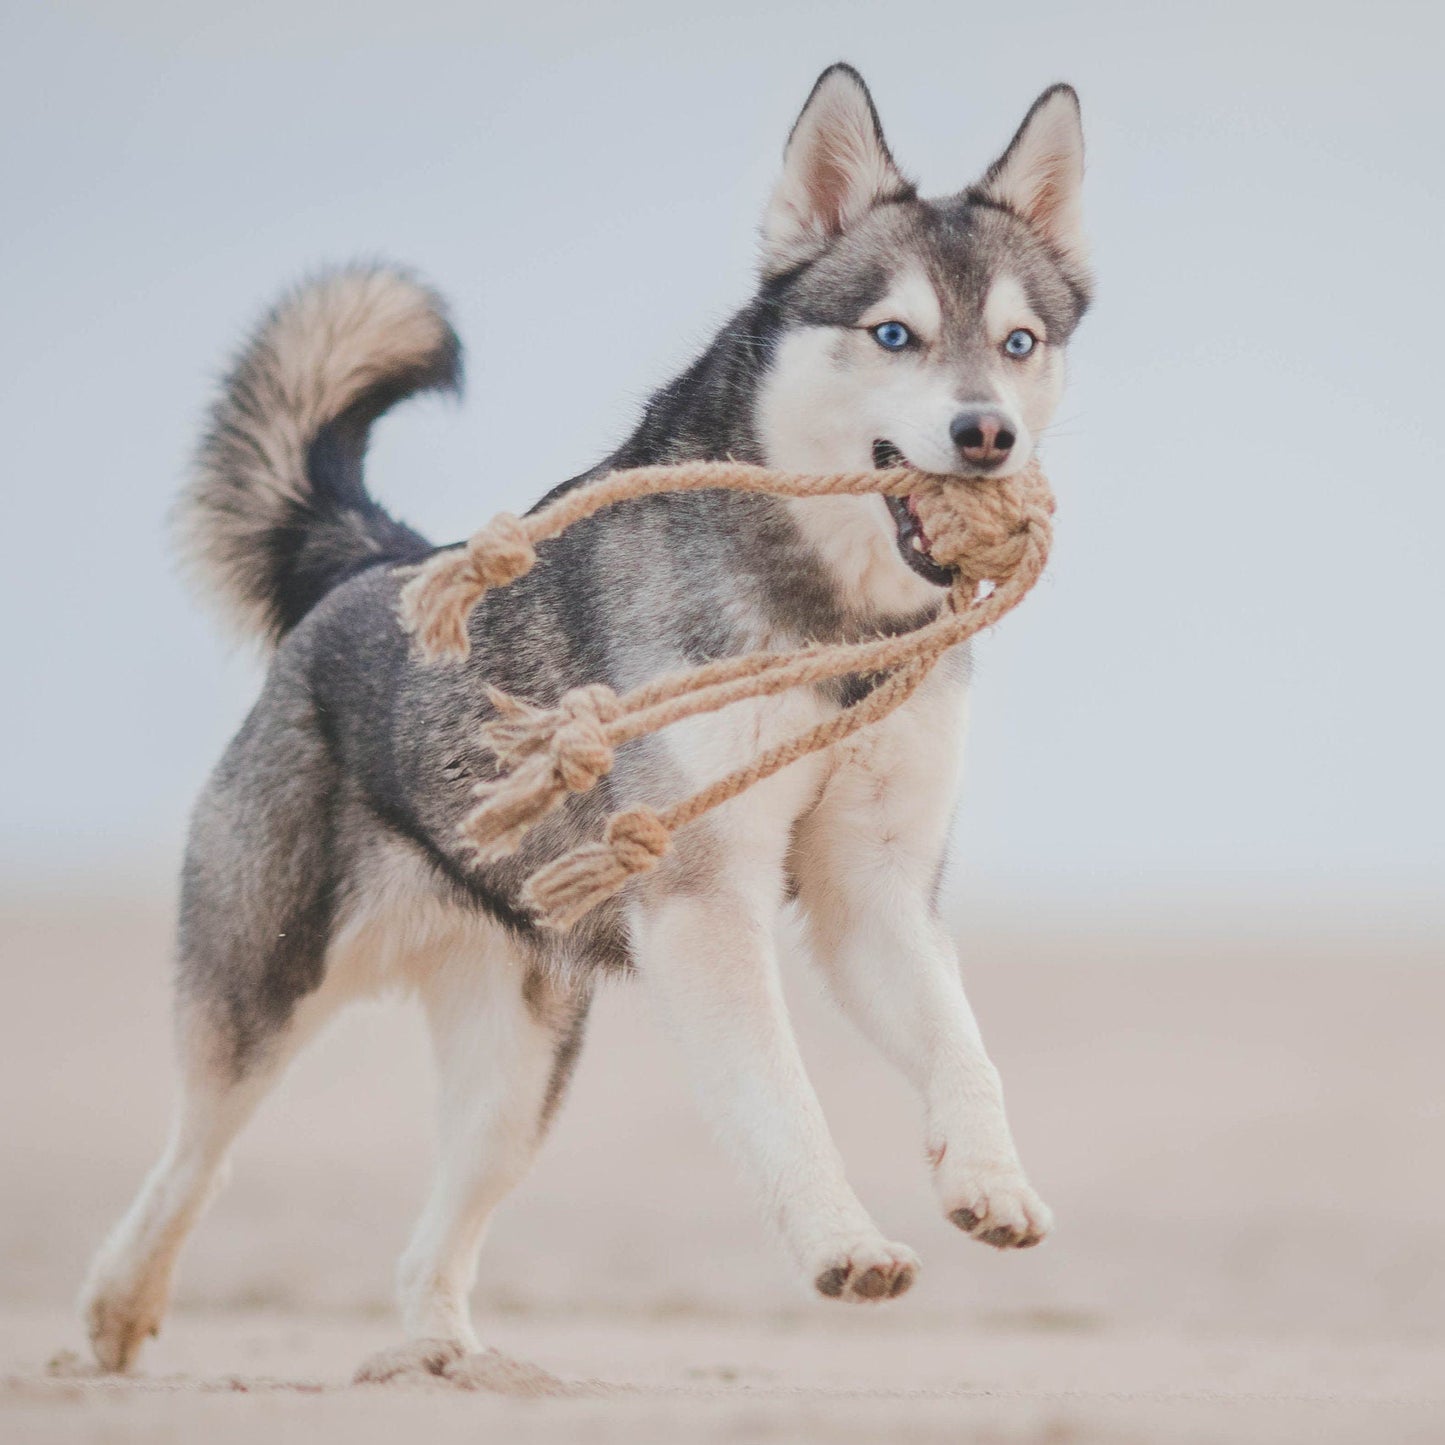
926 332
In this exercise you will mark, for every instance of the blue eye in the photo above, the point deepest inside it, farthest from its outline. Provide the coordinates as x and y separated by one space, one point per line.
892 335
1020 342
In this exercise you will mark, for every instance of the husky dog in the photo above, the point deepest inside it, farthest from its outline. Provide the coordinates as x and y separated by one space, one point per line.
324 859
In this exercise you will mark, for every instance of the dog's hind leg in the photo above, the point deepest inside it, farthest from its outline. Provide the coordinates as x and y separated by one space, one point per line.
253 983
506 1036
129 1284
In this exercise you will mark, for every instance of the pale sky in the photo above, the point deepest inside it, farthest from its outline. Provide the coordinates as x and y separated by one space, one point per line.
1230 679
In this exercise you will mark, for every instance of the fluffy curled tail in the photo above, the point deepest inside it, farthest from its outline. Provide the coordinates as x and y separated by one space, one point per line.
278 513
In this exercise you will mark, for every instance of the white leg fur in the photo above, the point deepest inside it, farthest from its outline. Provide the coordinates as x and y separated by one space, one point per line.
866 863
707 959
495 1063
128 1287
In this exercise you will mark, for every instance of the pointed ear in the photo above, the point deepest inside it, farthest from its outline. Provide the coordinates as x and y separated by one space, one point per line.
1040 177
835 168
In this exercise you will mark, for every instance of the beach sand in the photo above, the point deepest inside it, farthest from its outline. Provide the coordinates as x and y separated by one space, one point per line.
1239 1127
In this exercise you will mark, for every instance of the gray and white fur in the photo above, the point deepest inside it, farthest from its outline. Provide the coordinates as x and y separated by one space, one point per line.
324 861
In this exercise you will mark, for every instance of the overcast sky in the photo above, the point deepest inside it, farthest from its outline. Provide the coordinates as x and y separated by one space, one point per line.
1230 679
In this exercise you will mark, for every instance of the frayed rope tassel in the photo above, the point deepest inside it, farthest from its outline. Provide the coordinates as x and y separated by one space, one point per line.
546 753
635 842
437 602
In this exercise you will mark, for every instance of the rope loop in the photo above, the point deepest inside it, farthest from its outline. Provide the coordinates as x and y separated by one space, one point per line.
986 530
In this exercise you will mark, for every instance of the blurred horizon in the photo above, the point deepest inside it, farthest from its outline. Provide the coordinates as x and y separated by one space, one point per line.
1221 695
1249 909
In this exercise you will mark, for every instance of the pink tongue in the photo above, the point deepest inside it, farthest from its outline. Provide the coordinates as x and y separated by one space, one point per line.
917 522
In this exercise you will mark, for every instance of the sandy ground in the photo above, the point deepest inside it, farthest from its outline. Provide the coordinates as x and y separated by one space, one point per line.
1241 1131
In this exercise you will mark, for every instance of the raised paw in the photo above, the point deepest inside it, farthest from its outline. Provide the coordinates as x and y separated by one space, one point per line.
416 1360
868 1272
1002 1210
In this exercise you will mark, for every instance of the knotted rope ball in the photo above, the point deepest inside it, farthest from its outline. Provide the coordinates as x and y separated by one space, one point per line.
986 530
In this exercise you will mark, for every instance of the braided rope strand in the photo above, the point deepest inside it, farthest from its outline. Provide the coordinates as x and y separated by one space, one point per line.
639 838
994 531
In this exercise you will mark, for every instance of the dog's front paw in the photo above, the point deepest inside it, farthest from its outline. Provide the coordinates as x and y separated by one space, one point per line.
1000 1208
867 1271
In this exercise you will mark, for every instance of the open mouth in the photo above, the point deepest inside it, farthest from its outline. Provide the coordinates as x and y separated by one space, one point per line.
912 539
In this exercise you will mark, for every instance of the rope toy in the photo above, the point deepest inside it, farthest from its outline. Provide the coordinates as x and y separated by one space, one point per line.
993 533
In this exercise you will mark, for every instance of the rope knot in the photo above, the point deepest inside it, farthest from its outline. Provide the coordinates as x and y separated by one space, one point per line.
545 753
564 890
572 732
500 553
639 839
580 750
437 602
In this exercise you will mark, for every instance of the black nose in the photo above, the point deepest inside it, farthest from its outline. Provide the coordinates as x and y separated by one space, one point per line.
982 436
